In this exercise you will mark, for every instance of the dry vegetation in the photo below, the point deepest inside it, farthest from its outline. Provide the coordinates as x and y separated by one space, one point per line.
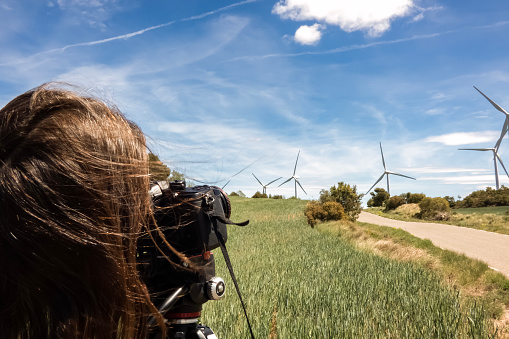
471 277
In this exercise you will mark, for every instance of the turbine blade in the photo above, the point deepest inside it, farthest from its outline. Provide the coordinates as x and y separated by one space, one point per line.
383 160
273 181
401 175
297 181
476 149
285 182
376 183
295 169
503 133
501 163
257 179
492 102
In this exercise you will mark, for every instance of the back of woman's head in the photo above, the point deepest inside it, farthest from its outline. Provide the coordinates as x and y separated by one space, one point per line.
73 200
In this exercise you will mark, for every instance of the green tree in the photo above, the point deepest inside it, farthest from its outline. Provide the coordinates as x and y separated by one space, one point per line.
451 201
394 202
158 171
259 195
413 198
347 196
378 198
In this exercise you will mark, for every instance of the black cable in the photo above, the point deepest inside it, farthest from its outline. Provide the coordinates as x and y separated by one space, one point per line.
230 268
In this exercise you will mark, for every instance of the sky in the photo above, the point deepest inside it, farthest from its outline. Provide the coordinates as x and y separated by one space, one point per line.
224 89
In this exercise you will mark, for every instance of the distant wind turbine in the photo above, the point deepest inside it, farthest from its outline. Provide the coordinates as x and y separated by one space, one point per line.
386 172
295 177
265 186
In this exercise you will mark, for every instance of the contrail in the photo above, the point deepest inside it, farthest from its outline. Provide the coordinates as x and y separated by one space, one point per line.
128 35
342 49
363 46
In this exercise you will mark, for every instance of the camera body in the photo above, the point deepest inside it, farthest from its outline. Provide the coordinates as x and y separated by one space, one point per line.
190 220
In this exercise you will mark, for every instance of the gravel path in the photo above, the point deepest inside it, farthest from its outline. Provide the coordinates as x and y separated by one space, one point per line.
492 248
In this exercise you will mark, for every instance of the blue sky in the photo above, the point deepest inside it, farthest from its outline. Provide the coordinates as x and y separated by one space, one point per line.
220 85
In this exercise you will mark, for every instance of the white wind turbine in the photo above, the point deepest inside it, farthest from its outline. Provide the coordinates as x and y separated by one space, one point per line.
295 177
505 128
387 172
495 158
499 141
265 186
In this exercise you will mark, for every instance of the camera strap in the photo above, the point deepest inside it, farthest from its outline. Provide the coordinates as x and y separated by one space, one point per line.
229 264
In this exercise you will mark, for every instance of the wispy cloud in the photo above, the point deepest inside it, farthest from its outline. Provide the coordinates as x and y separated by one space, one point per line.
125 36
343 49
365 46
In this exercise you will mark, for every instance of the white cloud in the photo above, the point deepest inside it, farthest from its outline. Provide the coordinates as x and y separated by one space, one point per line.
308 35
464 138
371 16
435 111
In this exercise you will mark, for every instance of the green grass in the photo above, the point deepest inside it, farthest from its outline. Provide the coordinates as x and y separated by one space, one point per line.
469 275
298 282
498 210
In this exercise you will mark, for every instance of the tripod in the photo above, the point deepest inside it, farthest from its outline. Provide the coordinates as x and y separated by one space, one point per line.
183 308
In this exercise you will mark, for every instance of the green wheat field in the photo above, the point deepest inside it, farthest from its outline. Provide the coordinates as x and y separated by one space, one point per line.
300 283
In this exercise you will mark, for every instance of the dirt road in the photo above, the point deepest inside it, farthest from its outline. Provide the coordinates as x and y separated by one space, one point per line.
492 248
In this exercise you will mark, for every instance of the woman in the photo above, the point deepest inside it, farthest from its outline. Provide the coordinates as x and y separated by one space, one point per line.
73 201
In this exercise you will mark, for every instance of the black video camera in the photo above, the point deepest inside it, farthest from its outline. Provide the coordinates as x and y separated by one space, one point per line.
192 220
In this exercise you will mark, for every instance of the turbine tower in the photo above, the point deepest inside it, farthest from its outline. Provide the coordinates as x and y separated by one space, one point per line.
265 186
495 158
387 172
295 177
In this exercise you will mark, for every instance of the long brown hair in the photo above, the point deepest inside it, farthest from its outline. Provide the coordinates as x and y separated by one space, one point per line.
73 200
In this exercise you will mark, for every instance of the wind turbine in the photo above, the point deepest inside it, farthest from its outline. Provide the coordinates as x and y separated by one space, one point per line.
265 186
495 158
505 128
386 172
295 177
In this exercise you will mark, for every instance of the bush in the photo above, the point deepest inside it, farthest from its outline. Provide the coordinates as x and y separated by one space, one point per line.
345 195
413 198
276 196
379 198
434 208
317 211
394 202
489 197
234 194
451 201
259 195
